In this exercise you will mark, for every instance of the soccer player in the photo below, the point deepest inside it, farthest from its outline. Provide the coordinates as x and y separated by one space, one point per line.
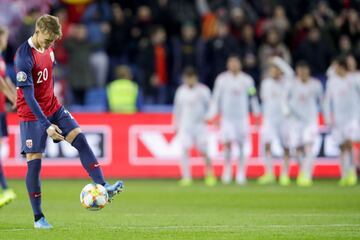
273 93
305 97
340 116
7 89
232 92
192 100
41 115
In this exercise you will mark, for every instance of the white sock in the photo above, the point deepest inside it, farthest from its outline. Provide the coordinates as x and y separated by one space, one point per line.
227 170
185 166
240 175
285 167
348 162
268 163
208 166
342 165
307 166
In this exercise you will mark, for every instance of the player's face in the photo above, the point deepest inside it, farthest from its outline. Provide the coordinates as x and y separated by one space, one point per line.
274 72
191 80
303 72
351 63
340 70
234 64
45 40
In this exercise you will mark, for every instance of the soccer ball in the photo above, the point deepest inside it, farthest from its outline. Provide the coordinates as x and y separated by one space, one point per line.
94 197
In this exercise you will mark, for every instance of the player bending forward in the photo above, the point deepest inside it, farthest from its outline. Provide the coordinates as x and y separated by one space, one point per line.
305 97
7 89
232 91
191 105
274 90
41 114
340 110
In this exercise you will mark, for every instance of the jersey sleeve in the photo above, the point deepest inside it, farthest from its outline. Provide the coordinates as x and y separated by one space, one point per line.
176 108
251 90
23 67
215 100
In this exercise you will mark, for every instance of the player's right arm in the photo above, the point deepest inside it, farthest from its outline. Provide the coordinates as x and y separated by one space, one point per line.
215 100
327 109
176 109
24 81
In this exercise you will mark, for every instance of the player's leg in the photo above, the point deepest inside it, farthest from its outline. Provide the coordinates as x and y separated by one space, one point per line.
73 135
284 134
227 131
304 178
241 168
201 144
350 171
8 194
33 185
309 134
284 175
33 140
242 132
268 177
88 160
227 168
186 143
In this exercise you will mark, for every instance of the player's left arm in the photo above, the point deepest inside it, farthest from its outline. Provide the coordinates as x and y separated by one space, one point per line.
319 95
254 101
176 109
284 67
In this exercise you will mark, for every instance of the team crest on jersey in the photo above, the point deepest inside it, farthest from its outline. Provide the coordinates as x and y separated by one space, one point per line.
21 76
29 143
52 56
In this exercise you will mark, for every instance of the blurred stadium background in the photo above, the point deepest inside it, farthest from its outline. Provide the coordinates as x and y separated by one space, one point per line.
118 66
127 57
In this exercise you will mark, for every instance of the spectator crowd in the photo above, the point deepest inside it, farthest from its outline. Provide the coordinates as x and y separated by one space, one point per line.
157 39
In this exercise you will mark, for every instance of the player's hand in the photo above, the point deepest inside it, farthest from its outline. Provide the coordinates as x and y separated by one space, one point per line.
55 132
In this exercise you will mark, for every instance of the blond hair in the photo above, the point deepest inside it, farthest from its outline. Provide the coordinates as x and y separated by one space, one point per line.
49 24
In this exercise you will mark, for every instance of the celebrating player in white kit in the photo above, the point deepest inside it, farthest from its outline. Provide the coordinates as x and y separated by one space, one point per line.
274 92
192 100
305 99
340 115
231 100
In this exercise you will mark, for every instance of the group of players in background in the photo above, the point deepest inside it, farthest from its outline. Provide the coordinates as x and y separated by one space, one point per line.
291 103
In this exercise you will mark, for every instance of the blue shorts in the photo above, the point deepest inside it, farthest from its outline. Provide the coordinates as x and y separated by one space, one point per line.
3 125
33 134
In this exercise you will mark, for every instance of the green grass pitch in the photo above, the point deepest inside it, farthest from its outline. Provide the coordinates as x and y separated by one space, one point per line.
159 209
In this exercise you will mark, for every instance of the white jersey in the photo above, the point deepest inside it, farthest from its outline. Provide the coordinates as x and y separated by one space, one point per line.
340 100
273 94
191 106
355 78
231 96
304 100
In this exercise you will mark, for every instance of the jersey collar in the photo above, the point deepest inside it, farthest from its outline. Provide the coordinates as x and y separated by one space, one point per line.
33 46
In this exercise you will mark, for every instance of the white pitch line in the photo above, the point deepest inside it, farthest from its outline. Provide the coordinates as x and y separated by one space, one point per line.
199 227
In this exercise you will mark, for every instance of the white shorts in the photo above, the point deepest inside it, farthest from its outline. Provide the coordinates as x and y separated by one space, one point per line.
342 133
234 130
356 134
196 136
276 131
302 134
